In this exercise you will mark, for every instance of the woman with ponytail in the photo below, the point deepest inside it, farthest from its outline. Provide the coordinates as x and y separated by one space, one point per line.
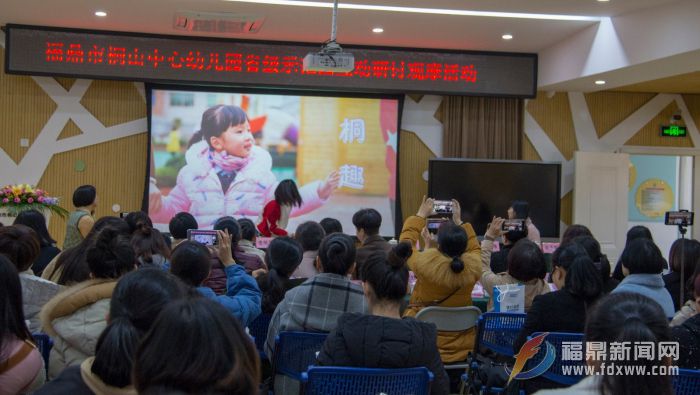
135 304
382 339
316 304
283 256
75 317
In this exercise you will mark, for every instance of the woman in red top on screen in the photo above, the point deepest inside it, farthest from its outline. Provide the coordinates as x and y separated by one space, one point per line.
228 175
275 215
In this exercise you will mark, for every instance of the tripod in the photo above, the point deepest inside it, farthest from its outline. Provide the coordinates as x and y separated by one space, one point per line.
682 229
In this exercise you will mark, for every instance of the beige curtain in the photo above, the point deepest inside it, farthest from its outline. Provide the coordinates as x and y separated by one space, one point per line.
481 127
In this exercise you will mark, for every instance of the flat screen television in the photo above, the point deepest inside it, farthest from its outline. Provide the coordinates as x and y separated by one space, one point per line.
486 188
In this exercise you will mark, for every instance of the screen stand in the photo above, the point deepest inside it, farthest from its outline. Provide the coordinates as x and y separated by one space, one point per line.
682 229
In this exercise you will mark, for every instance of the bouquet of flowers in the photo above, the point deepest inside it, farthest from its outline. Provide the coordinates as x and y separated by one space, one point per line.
22 197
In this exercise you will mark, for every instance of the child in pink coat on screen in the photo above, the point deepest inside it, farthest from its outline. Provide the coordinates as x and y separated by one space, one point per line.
227 174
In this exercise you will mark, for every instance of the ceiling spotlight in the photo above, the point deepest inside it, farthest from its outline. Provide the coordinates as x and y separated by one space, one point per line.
507 36
100 13
600 82
603 1
378 30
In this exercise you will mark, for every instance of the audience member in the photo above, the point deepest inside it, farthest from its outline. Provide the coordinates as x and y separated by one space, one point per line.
81 220
249 237
690 308
276 213
499 259
635 232
600 260
642 264
687 335
26 371
367 222
631 318
70 266
316 304
48 249
191 262
20 245
525 265
179 225
283 257
445 275
169 361
382 339
150 246
137 219
686 251
76 317
578 286
520 209
331 225
309 234
574 231
136 301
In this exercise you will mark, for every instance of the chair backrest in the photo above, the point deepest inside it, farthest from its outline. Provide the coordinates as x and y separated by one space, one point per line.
258 330
556 372
44 344
687 382
450 319
321 380
295 352
498 331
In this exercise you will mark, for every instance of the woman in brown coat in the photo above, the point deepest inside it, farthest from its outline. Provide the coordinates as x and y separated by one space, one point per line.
445 274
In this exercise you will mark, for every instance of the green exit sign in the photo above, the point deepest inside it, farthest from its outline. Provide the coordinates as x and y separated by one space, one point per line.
674 131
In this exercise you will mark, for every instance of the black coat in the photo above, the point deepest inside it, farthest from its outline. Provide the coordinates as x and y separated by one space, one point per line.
380 342
69 382
557 311
672 281
46 255
688 337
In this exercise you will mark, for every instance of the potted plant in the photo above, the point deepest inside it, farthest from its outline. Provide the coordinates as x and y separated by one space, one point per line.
17 198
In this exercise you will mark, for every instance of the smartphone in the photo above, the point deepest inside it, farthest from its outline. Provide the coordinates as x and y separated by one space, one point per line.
513 225
682 218
434 224
206 237
442 206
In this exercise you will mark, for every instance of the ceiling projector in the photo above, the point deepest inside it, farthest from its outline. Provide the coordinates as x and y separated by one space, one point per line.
330 58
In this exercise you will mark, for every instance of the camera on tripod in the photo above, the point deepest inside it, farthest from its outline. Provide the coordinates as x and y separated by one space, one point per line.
679 218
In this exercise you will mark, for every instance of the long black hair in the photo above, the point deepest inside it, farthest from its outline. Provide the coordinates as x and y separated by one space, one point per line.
592 247
136 301
287 193
283 257
11 312
452 241
36 220
216 120
582 276
634 318
388 273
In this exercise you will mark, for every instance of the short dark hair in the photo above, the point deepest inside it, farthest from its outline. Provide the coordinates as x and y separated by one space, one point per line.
638 232
36 220
191 263
513 236
20 244
337 253
226 363
248 229
111 256
521 208
388 273
452 241
138 219
526 261
180 224
287 193
309 234
369 220
84 195
574 231
642 256
231 225
635 318
283 257
136 301
331 225
686 251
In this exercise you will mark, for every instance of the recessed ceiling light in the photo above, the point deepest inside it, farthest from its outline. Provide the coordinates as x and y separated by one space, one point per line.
507 36
603 1
600 82
378 30
100 13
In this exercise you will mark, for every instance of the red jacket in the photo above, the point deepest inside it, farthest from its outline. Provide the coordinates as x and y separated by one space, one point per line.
270 215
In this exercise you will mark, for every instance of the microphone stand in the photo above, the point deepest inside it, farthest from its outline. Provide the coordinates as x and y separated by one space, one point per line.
682 229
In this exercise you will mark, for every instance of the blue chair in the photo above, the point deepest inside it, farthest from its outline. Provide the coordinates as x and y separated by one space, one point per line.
258 330
320 380
687 382
555 372
44 344
295 352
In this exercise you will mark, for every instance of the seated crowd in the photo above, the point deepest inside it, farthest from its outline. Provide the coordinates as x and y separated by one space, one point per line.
131 310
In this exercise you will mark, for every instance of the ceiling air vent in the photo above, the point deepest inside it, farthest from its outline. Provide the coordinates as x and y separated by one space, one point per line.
217 22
